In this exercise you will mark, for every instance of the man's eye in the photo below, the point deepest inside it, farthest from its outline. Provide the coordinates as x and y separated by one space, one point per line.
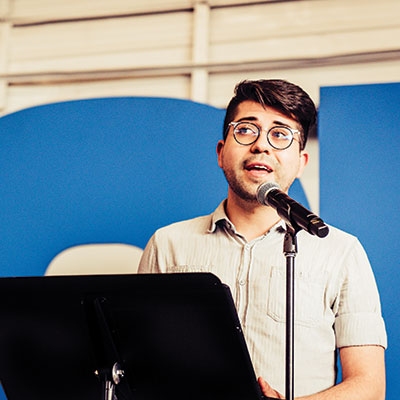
245 131
280 134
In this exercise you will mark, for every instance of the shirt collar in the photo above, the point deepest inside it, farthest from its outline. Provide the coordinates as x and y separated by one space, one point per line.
219 217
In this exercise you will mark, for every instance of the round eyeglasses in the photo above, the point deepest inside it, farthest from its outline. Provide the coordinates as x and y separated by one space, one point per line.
279 137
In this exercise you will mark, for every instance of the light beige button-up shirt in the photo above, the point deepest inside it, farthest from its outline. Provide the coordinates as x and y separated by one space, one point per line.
336 298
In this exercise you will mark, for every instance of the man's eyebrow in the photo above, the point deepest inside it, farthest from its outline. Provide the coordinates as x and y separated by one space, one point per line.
252 118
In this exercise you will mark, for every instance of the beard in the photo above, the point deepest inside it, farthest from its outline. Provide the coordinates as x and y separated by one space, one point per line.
247 192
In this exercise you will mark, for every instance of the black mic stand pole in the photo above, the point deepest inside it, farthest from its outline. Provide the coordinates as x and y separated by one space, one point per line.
290 251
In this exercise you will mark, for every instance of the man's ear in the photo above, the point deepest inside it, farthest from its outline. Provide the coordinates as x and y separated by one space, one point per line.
220 147
304 156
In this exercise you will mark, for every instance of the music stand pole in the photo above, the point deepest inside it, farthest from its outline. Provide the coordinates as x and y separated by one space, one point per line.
290 251
109 369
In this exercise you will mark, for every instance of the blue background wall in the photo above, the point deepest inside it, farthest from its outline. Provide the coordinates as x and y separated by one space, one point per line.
359 136
102 171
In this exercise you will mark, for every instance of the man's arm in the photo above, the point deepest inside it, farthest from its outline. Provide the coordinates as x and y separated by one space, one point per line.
363 372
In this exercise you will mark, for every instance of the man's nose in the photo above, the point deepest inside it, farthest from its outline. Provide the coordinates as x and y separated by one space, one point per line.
261 145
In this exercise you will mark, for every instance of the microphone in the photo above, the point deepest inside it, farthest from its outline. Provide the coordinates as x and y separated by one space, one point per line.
269 194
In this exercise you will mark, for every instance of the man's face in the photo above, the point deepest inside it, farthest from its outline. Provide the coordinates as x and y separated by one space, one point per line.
246 167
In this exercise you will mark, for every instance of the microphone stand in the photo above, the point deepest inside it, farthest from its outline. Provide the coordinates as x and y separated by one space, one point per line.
290 251
269 194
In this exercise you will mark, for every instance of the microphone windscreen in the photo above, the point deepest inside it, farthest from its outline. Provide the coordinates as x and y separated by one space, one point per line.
263 190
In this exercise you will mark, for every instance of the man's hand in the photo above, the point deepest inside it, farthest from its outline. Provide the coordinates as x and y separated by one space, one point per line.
268 391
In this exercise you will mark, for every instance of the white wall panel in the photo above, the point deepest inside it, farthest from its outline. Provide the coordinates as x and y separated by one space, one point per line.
31 11
23 96
303 29
4 8
311 79
199 84
150 40
94 47
4 43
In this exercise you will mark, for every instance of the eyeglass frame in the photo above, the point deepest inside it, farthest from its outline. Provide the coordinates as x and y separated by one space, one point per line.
234 124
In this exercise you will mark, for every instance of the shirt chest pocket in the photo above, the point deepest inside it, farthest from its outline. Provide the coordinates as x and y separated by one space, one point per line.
308 298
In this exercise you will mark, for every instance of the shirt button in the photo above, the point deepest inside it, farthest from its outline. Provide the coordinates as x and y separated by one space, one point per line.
242 282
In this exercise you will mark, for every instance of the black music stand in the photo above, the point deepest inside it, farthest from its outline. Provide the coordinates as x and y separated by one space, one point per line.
138 337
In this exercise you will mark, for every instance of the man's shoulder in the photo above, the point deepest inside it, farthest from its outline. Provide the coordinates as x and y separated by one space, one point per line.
200 224
335 235
338 243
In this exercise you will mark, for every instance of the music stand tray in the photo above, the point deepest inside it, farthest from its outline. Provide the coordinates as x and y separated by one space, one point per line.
152 337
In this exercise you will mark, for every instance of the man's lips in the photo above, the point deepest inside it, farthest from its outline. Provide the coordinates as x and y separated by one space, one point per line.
258 166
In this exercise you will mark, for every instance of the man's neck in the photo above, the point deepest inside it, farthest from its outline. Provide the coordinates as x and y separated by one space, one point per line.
251 219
